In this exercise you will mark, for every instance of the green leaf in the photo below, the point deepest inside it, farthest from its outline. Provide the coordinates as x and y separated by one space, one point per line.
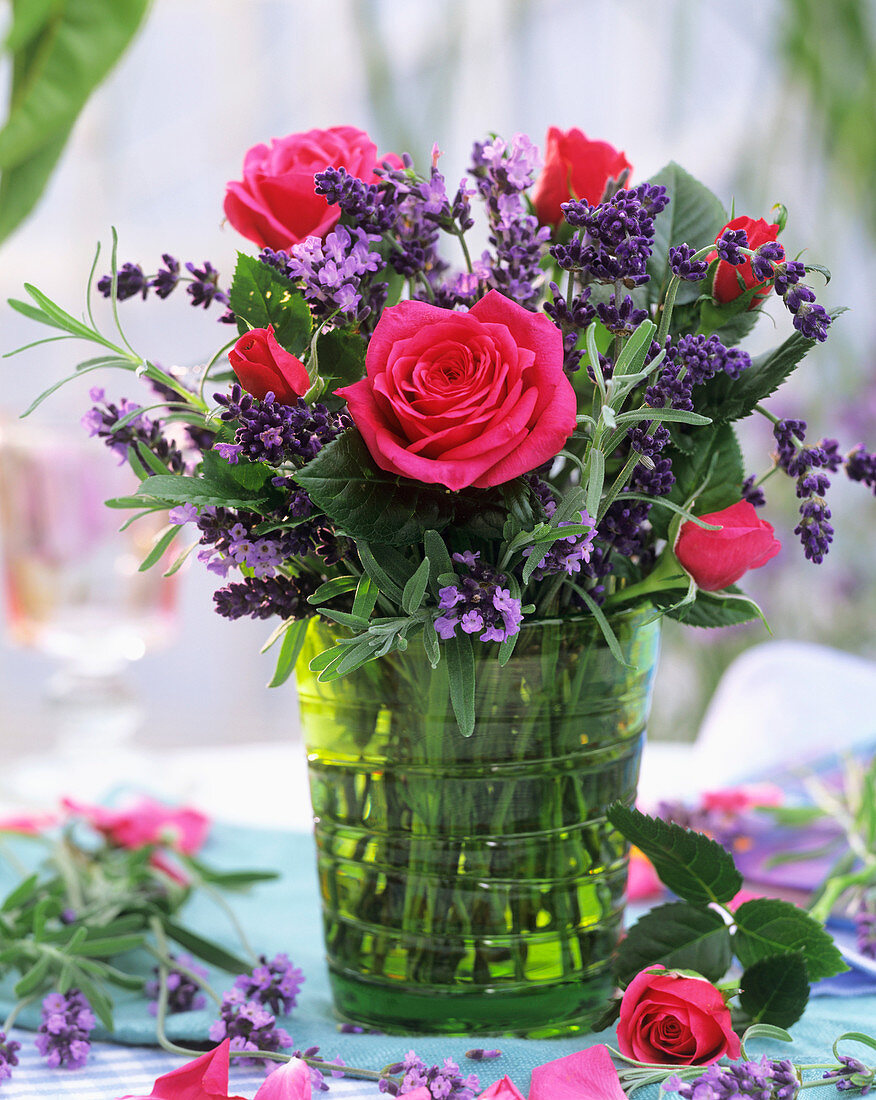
369 503
205 949
694 216
714 467
365 598
689 864
415 589
110 945
34 977
161 544
293 641
243 474
729 320
60 52
459 654
22 893
775 989
767 926
710 610
725 399
680 937
171 489
430 643
341 357
261 296
389 570
335 586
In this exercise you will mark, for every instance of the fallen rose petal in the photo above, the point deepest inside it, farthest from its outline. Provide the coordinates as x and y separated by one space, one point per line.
504 1089
146 822
206 1078
586 1075
290 1082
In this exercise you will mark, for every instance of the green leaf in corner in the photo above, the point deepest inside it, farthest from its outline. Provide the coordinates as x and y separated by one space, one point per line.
694 216
714 609
767 926
261 296
681 937
691 865
775 989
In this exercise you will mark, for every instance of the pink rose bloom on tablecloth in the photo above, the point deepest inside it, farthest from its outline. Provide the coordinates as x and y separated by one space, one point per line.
146 822
275 204
463 399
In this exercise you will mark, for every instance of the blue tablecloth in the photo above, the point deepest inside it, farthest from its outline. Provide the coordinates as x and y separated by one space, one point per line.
284 916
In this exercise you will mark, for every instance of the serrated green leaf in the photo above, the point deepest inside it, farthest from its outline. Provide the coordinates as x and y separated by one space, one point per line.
694 216
731 321
775 990
169 490
767 926
367 502
260 296
341 356
710 610
679 936
691 865
293 642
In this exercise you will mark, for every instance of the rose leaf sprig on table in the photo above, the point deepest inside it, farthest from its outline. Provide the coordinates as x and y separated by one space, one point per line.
781 947
434 455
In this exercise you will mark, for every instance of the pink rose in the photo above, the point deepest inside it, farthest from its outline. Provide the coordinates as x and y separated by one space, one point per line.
275 203
205 1078
669 1019
503 1089
262 365
574 168
290 1082
146 822
585 1075
717 558
462 399
726 285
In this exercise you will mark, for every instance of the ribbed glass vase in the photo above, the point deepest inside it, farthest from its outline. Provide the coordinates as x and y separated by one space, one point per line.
472 885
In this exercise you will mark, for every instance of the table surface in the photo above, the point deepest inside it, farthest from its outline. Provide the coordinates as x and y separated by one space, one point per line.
265 786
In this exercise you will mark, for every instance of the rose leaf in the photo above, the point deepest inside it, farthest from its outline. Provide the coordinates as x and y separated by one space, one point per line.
689 864
261 296
775 989
767 926
681 937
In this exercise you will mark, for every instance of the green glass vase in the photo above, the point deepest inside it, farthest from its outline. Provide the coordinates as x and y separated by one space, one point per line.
472 885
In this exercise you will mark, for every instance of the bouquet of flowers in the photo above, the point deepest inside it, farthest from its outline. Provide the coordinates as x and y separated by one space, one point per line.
431 451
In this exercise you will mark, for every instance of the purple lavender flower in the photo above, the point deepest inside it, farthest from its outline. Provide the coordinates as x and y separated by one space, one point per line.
443 1082
63 1036
275 984
130 281
753 493
683 264
183 992
166 278
139 431
620 319
478 602
567 554
481 1055
705 356
335 1065
204 288
786 275
764 1080
332 272
249 1025
860 465
729 246
571 318
368 205
851 1074
765 259
8 1056
260 598
807 464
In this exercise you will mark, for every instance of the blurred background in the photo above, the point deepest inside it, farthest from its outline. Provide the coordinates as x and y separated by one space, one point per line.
765 101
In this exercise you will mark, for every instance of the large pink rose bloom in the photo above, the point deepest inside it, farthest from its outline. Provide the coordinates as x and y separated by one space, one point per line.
275 204
463 399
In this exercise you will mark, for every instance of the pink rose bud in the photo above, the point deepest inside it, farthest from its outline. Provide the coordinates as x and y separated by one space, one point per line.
717 558
670 1019
726 285
261 365
461 399
275 203
574 168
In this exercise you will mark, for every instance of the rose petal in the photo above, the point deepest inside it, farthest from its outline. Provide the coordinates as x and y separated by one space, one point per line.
586 1075
503 1089
290 1082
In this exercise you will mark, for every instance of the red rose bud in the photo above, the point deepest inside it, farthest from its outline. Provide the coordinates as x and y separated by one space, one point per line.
261 365
717 558
574 168
726 286
275 204
670 1019
461 399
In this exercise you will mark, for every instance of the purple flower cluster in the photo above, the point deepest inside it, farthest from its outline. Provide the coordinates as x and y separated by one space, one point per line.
203 288
705 356
183 992
443 1082
271 432
317 1077
334 273
683 264
369 205
567 554
764 1080
767 262
478 602
63 1036
808 465
101 421
614 238
865 930
621 319
8 1056
851 1074
861 466
571 318
502 171
275 984
262 597
249 1025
